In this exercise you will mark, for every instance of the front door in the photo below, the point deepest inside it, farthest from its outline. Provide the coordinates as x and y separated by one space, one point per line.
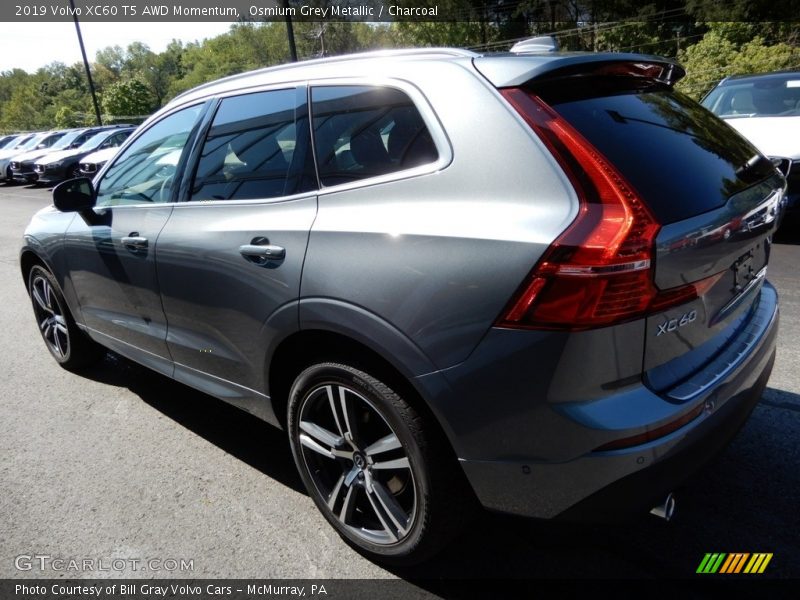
111 250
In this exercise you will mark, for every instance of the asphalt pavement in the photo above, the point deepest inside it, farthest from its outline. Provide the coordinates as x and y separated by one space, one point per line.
122 464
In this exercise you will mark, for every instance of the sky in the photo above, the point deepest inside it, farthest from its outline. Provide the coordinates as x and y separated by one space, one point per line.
29 46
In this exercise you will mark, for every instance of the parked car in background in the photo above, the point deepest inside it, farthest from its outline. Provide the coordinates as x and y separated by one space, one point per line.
22 165
15 141
22 144
57 166
92 163
765 109
45 143
517 278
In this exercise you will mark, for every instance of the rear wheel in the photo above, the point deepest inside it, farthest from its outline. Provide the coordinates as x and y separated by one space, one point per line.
376 471
70 346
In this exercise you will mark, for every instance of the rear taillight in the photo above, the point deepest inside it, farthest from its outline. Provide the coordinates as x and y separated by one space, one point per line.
600 270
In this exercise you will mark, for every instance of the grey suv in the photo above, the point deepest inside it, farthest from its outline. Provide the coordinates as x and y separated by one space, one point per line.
534 280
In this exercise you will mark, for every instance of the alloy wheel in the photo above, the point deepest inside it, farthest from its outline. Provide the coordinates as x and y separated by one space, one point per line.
50 316
357 463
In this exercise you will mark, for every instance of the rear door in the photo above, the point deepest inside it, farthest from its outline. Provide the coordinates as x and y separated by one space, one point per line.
230 257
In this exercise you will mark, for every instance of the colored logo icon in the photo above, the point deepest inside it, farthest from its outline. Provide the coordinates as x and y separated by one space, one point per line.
737 562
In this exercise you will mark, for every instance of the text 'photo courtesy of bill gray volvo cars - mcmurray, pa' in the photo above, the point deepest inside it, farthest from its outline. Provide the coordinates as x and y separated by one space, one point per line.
533 282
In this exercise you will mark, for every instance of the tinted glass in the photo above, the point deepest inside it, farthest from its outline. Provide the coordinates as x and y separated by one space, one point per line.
250 149
9 142
51 139
145 172
94 141
117 139
362 132
767 97
33 141
67 139
681 158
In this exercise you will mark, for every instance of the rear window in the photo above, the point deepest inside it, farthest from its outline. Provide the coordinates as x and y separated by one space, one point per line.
681 159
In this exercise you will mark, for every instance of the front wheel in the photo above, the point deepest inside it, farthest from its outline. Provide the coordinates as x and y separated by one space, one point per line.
377 472
70 346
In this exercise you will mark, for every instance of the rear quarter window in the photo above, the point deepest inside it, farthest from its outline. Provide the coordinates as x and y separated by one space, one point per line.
367 131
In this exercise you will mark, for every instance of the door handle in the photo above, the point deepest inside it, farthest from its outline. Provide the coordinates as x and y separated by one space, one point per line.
135 242
262 253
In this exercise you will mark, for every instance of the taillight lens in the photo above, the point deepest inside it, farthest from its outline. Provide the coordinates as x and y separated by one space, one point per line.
600 270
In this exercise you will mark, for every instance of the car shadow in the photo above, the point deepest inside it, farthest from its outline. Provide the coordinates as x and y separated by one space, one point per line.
789 231
736 504
746 501
235 431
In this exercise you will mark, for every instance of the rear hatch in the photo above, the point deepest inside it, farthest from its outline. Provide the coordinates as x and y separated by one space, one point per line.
714 197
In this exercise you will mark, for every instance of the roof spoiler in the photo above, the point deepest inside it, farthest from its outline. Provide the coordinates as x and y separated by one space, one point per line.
512 71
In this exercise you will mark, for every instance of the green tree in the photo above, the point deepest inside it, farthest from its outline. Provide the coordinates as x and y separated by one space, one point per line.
128 98
732 49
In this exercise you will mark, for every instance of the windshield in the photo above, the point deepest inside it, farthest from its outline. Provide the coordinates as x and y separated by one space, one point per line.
768 97
34 141
19 143
65 141
9 143
94 141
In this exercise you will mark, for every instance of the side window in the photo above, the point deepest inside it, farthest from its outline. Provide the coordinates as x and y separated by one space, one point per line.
119 138
250 148
112 142
145 172
364 131
81 138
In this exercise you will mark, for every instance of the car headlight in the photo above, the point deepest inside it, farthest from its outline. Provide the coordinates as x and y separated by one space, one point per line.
54 165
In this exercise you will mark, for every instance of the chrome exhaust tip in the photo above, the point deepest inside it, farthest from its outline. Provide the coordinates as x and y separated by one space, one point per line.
665 510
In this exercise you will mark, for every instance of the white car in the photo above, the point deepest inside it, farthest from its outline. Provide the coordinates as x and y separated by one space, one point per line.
766 110
92 163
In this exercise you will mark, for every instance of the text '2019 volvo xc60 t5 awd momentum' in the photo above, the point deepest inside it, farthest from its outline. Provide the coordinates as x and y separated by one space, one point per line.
534 280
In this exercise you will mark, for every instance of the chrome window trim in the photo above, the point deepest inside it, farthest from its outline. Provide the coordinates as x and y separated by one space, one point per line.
440 139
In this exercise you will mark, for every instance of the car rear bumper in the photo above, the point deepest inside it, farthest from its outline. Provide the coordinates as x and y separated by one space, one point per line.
609 484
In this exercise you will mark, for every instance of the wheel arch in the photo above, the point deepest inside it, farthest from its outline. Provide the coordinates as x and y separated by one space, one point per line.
33 254
309 346
28 258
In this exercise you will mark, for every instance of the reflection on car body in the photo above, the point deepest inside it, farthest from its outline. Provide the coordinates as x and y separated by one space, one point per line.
446 282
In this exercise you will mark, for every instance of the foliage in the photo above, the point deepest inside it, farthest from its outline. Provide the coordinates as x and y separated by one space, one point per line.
128 98
732 48
135 80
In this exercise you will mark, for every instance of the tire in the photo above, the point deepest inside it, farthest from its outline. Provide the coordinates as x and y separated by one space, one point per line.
378 474
70 346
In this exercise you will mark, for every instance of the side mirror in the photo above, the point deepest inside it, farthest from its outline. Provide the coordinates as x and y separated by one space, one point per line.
74 195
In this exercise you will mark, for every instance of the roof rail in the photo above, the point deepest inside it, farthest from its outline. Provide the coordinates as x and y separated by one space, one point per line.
420 52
